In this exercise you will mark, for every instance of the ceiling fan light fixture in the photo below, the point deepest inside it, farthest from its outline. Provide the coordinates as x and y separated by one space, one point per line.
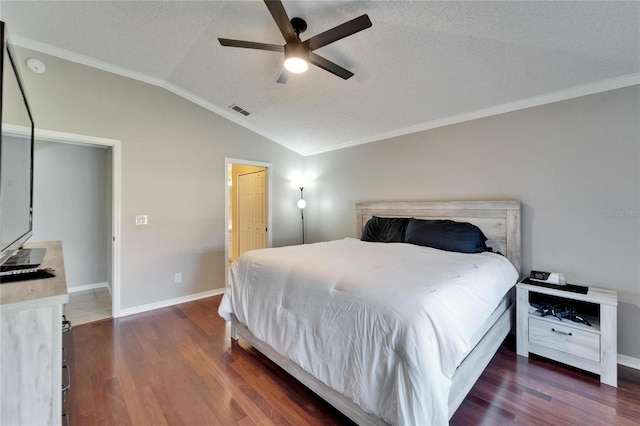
296 65
296 57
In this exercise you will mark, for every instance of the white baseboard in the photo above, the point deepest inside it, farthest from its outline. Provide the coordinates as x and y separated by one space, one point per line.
88 287
169 302
629 361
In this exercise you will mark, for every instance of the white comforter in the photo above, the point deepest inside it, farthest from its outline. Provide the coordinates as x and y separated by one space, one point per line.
383 324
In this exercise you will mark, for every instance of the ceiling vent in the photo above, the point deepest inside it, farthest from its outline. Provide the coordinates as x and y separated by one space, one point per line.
236 108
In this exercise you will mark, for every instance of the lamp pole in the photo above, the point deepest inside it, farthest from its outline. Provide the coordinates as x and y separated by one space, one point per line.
301 205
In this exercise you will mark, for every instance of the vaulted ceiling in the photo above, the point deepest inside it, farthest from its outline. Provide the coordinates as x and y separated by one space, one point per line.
421 65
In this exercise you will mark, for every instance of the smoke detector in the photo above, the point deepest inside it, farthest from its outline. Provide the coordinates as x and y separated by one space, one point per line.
36 65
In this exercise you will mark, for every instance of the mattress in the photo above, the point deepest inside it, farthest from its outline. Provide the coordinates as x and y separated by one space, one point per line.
385 325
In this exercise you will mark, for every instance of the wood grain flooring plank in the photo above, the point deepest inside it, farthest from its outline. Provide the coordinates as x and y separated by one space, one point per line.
222 402
296 395
517 406
273 387
143 408
109 406
538 402
84 366
246 421
170 411
477 411
185 386
234 384
200 315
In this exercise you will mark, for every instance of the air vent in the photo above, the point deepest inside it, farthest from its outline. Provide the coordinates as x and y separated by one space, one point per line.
236 108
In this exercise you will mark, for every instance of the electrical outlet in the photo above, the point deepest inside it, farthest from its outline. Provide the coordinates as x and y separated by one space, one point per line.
141 219
178 278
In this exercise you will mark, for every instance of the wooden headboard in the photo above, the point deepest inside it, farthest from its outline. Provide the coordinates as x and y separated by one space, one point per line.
498 220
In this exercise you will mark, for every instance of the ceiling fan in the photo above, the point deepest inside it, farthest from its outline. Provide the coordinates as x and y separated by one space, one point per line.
298 54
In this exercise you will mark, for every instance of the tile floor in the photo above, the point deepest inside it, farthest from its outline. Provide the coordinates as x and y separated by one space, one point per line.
88 306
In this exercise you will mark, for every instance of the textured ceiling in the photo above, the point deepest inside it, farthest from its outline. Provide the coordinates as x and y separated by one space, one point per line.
421 64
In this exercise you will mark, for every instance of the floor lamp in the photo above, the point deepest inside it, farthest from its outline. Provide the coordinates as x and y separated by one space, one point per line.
301 205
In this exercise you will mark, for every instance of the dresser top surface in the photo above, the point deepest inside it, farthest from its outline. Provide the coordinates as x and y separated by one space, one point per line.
35 290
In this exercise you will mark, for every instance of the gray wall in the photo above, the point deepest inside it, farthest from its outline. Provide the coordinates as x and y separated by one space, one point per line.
574 165
173 170
70 204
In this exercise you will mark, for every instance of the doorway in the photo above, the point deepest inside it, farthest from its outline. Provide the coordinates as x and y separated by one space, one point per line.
113 200
71 183
248 212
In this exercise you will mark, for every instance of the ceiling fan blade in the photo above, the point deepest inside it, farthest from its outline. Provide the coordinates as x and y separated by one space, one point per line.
282 20
341 31
283 76
327 65
251 45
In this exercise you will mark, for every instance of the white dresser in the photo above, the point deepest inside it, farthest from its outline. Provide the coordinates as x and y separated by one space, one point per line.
31 345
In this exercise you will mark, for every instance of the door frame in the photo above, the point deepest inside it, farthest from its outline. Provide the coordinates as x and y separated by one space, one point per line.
227 200
116 179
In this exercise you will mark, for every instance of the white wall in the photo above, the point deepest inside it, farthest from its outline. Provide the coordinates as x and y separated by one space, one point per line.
173 170
70 191
574 165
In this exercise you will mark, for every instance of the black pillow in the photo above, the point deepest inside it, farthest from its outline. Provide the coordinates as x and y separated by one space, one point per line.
448 235
385 229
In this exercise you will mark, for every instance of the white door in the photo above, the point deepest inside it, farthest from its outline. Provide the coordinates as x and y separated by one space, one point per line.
252 216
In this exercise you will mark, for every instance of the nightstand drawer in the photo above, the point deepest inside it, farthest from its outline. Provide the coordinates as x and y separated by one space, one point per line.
567 339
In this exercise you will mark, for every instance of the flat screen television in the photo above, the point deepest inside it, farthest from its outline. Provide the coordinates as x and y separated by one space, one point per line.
16 160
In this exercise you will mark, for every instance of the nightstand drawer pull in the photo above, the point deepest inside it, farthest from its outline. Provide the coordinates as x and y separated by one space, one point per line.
561 332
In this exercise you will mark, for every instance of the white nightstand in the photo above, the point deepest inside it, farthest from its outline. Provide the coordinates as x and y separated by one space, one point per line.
592 348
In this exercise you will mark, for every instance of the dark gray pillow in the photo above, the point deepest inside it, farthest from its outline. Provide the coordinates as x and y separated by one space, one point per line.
385 229
447 235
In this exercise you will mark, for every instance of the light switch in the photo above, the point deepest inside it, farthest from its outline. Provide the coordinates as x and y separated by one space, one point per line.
141 219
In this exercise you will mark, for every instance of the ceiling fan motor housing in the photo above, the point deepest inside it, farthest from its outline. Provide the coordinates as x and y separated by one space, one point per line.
298 50
299 25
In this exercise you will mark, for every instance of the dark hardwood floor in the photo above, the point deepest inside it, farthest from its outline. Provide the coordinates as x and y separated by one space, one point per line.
177 366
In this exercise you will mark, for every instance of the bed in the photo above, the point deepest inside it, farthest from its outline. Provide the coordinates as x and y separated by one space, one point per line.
407 346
